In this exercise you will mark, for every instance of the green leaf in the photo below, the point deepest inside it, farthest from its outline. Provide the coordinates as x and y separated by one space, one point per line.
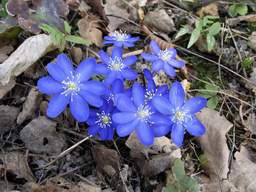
170 188
67 27
237 9
178 169
210 42
199 24
3 12
189 184
77 40
213 102
194 37
247 63
214 29
232 10
184 30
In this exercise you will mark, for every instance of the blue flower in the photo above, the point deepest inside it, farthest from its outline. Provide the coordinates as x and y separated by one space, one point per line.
71 86
119 39
100 121
163 59
116 67
152 90
136 115
181 113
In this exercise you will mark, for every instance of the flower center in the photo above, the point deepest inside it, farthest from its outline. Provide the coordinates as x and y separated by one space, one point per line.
144 113
104 120
150 94
71 85
119 36
116 64
179 116
165 55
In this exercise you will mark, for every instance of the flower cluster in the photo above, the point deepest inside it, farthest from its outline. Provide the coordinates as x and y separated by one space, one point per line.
107 106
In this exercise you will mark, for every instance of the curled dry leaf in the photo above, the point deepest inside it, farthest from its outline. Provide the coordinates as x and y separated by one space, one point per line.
15 163
40 136
29 107
165 24
210 9
116 13
89 28
25 56
8 117
214 142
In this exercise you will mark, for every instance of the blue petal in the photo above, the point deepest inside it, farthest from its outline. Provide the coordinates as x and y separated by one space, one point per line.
123 117
110 78
108 38
177 134
93 86
117 52
65 64
110 133
86 69
125 129
145 134
57 105
103 133
154 46
91 98
173 52
56 72
104 57
177 95
150 81
157 118
176 63
162 90
194 105
49 86
93 130
128 44
79 108
101 69
117 86
138 94
134 39
162 105
149 57
157 65
130 60
129 74
169 70
118 44
194 127
161 130
124 103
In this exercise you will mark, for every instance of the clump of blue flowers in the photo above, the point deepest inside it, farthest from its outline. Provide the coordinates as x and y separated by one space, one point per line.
109 107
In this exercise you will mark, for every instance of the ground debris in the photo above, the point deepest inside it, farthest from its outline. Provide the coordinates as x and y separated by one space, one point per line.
8 117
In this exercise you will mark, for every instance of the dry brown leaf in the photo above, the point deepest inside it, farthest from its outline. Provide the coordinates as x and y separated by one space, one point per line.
4 89
165 24
29 107
115 13
248 18
40 136
243 172
77 54
210 9
16 164
89 28
8 117
214 142
4 52
25 56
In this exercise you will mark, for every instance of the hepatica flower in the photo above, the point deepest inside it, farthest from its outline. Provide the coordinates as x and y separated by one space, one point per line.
163 59
181 113
115 66
71 86
136 115
120 39
100 121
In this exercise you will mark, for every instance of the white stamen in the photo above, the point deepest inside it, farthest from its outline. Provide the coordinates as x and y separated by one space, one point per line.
119 35
104 120
71 85
165 54
144 113
116 64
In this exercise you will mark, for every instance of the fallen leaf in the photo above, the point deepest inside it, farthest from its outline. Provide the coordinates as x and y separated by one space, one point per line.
15 163
29 107
9 29
8 117
165 24
89 28
77 54
251 123
25 56
252 40
214 144
4 52
40 136
210 9
4 89
115 14
251 18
